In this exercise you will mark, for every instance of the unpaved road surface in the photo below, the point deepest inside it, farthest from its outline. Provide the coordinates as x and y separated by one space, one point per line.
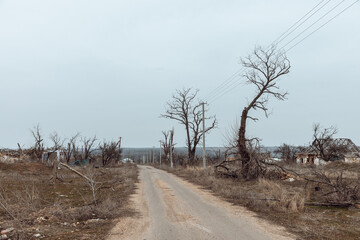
170 208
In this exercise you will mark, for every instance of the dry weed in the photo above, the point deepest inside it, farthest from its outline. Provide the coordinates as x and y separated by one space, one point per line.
288 205
279 198
28 200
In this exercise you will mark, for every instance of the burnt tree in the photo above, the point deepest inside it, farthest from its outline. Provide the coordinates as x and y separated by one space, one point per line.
168 140
187 111
88 144
57 143
38 148
70 148
110 151
263 69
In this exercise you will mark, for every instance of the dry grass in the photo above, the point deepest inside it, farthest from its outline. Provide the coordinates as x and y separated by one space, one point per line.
282 202
31 203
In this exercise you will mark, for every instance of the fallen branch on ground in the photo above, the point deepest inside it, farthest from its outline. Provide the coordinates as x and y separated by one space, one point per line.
77 172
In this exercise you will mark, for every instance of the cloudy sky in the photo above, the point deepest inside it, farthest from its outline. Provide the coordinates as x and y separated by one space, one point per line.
107 68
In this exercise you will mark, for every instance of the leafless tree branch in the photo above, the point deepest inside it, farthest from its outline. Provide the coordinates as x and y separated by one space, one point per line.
183 109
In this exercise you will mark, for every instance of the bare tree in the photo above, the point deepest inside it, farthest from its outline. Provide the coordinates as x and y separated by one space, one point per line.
323 141
230 167
168 140
231 137
187 112
110 151
328 148
76 152
57 143
264 69
90 177
216 157
91 180
288 153
88 144
70 148
38 148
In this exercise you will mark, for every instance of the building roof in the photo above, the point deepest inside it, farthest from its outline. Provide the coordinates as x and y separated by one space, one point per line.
348 148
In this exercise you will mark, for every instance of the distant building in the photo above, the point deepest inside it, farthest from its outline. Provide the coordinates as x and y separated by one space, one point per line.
50 156
348 152
127 160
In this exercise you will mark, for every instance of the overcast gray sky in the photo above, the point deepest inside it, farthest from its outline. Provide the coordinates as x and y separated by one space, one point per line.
108 67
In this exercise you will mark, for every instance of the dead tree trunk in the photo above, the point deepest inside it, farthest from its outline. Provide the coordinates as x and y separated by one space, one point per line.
187 112
264 68
243 151
192 155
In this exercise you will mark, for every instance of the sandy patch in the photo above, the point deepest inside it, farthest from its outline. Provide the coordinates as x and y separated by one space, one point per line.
133 227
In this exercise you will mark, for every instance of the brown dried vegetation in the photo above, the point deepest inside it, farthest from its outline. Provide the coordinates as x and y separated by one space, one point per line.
285 202
32 204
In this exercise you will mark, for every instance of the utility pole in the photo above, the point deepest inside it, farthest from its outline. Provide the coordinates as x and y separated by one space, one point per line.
203 120
160 153
171 154
153 157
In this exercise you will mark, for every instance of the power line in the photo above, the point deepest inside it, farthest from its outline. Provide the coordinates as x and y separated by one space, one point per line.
229 79
322 25
232 86
319 19
304 20
225 92
229 82
298 21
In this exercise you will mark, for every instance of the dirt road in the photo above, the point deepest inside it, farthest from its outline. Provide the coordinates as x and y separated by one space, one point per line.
171 208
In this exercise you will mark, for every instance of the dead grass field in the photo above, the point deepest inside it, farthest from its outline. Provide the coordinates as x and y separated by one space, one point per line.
37 208
283 203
